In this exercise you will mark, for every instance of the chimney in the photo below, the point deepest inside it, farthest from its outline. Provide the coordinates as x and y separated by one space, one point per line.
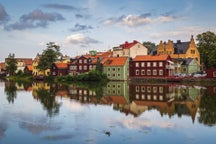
178 41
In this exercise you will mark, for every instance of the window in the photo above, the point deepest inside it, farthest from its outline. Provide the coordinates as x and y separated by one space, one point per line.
80 61
148 72
90 67
148 64
85 68
113 75
148 89
154 72
113 69
142 88
142 64
160 64
142 72
137 72
214 74
192 51
108 69
155 89
80 67
154 64
118 69
160 72
85 60
160 89
119 74
137 88
137 64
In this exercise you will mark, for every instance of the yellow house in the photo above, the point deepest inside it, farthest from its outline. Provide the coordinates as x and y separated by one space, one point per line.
35 70
179 50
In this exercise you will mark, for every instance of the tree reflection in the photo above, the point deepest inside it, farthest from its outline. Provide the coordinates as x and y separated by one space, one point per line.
10 91
48 101
208 110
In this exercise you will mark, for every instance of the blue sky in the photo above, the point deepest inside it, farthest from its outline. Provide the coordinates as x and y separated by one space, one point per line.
82 25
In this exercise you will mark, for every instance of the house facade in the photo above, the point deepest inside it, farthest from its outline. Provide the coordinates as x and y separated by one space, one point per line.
151 66
116 68
190 66
82 64
59 69
179 50
35 71
130 49
211 73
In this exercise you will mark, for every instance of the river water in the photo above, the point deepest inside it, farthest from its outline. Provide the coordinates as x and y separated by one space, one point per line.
116 112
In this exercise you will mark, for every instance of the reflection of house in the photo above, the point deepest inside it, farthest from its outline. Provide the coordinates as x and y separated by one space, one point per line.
116 68
35 70
59 69
190 66
130 49
38 86
84 95
151 66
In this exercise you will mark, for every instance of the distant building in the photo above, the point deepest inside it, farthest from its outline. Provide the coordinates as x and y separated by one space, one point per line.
28 69
130 49
190 66
151 66
59 69
35 71
211 73
179 50
116 68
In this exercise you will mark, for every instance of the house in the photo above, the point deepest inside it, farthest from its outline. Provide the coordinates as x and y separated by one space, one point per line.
116 68
59 69
178 50
82 64
130 49
28 69
211 73
35 71
190 66
2 66
151 66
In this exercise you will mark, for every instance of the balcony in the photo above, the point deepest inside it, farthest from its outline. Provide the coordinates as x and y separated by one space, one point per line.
169 67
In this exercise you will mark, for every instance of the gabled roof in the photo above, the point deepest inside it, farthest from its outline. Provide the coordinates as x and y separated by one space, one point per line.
151 58
61 65
181 47
26 61
29 67
115 61
128 45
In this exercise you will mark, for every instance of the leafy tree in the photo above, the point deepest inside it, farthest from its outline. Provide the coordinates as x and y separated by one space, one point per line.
207 48
149 45
49 56
11 64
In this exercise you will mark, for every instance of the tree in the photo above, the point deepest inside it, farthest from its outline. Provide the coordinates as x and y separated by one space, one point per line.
11 64
149 45
49 56
207 48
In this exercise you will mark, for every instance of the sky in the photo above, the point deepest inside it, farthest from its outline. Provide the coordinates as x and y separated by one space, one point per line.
79 26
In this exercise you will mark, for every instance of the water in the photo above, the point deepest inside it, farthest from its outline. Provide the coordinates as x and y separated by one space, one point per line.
117 112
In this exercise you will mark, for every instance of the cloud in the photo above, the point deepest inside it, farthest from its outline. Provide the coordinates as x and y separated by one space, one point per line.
80 39
35 19
130 20
165 18
79 27
60 6
4 17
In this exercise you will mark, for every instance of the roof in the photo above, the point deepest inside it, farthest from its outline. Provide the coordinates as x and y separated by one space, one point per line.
29 67
181 47
151 58
27 61
61 65
187 61
128 45
115 61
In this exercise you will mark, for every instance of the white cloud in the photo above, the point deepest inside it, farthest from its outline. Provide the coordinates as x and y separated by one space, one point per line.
135 20
80 39
165 18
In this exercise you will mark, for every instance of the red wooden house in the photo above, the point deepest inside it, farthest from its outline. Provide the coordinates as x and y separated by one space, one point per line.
211 73
59 69
151 66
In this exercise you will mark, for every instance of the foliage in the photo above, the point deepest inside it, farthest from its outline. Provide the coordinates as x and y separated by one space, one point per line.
149 45
207 48
11 64
49 56
10 90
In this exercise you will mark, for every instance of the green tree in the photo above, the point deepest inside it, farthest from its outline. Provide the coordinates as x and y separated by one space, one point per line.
149 45
49 56
11 64
207 48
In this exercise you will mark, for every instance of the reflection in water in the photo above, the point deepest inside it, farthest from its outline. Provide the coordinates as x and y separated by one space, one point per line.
129 98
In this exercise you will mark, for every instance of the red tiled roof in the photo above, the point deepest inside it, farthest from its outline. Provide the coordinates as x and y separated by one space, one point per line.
27 61
128 45
151 58
29 67
61 65
115 61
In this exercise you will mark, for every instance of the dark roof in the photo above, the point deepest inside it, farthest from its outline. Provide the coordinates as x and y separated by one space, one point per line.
181 47
187 61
